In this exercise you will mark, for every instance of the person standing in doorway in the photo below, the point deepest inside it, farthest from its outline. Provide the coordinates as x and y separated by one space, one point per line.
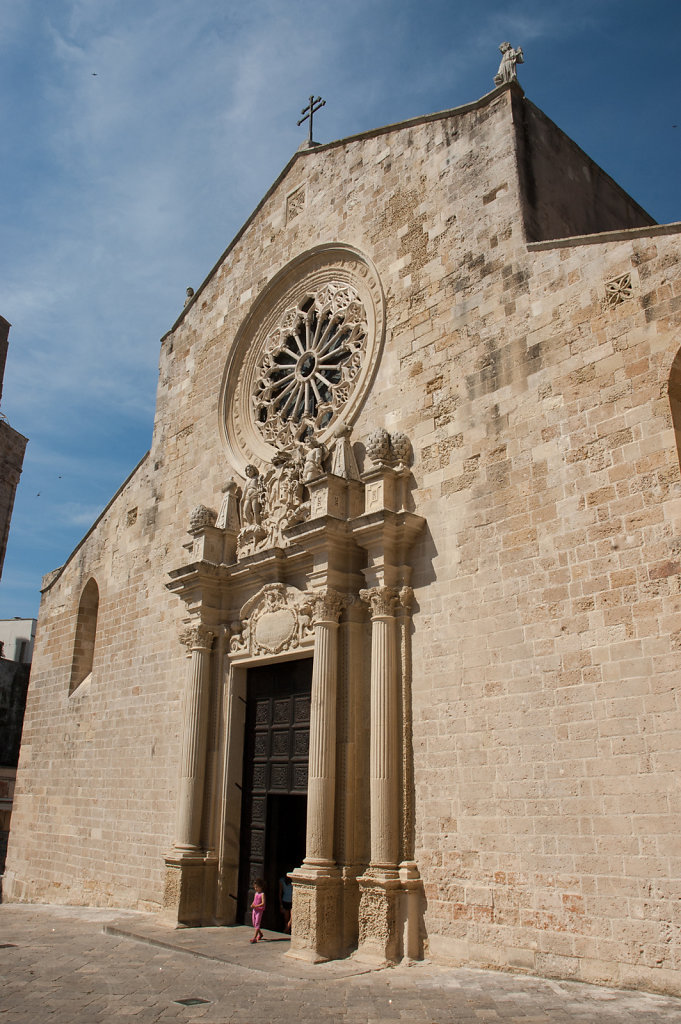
286 901
258 908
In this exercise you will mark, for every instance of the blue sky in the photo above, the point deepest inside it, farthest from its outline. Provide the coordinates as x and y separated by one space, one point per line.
138 135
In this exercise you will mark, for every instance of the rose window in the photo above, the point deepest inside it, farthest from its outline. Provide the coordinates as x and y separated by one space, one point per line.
310 364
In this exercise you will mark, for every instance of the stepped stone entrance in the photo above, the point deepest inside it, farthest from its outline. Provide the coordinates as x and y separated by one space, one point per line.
275 769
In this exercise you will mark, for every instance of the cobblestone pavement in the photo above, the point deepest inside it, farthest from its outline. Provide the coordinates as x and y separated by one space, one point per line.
77 966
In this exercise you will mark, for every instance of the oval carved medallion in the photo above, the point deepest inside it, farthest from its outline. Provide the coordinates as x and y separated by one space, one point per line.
273 630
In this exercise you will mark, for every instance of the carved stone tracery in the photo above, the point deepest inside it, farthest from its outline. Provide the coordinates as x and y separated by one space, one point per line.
618 289
305 355
311 361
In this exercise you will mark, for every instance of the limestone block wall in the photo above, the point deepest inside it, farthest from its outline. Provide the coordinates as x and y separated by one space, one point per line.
546 721
97 773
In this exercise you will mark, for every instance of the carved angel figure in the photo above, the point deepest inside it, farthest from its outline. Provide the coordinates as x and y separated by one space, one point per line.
509 59
251 500
314 459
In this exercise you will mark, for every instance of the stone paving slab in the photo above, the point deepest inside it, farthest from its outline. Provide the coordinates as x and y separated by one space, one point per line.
62 965
232 945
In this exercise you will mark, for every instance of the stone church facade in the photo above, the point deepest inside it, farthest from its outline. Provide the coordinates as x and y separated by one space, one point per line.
394 601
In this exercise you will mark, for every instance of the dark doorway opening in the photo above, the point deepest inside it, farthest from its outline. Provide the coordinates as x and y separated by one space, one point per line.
274 789
285 849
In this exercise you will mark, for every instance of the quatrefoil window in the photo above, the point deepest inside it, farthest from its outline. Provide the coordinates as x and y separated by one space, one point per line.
310 364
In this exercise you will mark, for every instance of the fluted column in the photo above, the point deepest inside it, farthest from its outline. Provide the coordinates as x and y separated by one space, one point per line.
321 787
198 640
316 883
385 751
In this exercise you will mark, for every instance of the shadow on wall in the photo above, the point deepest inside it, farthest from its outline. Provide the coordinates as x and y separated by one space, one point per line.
674 391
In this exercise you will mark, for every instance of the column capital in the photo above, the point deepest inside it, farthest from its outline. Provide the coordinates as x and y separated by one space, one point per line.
327 605
197 637
406 596
381 599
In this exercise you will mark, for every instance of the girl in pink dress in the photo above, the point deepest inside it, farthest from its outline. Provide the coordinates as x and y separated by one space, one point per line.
258 908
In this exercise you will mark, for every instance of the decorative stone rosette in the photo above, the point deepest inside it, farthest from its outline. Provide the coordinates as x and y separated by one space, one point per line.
311 364
304 358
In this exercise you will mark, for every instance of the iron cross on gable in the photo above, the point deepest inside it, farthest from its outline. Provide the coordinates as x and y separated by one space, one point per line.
313 106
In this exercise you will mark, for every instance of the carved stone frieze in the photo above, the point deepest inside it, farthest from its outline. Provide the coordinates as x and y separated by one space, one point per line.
276 619
382 600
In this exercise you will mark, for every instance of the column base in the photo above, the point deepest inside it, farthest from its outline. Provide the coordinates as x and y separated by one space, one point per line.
190 879
379 899
350 907
316 932
411 911
390 914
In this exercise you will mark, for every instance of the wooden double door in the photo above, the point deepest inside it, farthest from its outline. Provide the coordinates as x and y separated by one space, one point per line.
274 786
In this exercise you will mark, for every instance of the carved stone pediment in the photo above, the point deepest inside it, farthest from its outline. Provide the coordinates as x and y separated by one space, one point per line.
276 619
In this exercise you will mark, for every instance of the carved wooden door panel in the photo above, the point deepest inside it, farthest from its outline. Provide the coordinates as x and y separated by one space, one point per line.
274 778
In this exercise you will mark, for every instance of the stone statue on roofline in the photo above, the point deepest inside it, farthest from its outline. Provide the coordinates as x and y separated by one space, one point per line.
509 59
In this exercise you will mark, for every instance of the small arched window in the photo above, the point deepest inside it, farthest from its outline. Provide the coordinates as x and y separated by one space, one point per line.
86 630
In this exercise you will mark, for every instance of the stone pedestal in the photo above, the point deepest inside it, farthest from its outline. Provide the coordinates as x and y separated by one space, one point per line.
189 884
409 924
315 932
380 896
